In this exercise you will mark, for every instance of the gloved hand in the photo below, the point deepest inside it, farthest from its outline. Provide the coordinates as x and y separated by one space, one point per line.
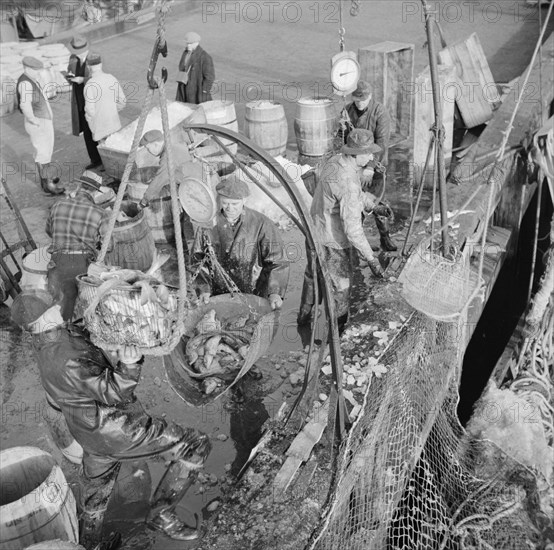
129 355
204 298
384 210
375 267
275 301
367 176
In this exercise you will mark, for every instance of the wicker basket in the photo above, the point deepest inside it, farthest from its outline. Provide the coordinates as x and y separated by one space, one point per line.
438 287
120 319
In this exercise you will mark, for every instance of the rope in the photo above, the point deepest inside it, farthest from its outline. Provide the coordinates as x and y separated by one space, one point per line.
507 135
125 179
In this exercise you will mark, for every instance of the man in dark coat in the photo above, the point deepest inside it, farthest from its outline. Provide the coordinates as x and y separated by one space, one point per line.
246 243
196 72
96 394
78 74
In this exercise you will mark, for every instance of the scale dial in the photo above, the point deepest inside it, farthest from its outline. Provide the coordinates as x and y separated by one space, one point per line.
345 72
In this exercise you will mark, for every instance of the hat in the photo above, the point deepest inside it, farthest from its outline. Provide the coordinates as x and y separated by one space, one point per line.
28 307
151 136
78 43
232 188
91 181
363 90
192 37
360 142
32 62
94 58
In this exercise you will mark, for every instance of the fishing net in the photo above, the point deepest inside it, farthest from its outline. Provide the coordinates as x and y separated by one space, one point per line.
409 476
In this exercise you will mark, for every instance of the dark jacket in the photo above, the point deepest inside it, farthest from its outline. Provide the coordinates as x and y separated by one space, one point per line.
200 79
77 93
96 395
376 119
39 103
254 242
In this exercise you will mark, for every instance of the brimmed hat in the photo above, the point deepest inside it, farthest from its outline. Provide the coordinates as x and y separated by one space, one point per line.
94 58
232 188
90 181
78 43
363 90
191 37
150 137
28 307
360 142
32 63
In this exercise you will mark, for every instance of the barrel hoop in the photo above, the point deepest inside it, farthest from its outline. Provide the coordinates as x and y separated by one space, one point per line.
52 518
35 271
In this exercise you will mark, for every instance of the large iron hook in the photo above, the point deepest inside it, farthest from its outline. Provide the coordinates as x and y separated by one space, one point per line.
156 51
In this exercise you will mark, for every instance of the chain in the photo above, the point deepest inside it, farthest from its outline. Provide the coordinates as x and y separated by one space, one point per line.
354 8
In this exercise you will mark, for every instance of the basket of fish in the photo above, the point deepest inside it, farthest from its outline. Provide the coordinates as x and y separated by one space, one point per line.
222 341
126 307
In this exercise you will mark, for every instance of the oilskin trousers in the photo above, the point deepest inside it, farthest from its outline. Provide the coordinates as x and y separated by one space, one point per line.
339 265
186 450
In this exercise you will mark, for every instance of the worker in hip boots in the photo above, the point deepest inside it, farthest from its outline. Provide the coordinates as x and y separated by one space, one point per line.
75 224
96 394
38 122
337 216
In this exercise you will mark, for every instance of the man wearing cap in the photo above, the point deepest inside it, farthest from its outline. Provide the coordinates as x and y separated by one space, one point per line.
96 394
244 242
196 72
104 98
38 121
78 73
337 212
74 224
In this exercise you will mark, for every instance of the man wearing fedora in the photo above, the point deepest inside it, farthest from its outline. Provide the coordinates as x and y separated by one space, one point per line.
196 72
337 216
364 112
38 121
78 73
74 224
95 391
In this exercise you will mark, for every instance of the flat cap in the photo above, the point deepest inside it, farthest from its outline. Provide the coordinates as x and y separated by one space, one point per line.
94 58
32 62
28 307
192 37
232 187
360 142
78 42
362 91
151 136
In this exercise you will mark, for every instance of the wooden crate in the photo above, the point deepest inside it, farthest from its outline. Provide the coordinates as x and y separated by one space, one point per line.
424 116
389 68
477 88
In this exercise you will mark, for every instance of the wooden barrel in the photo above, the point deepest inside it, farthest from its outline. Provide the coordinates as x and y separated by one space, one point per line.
36 503
7 94
34 268
315 126
160 218
222 113
266 125
132 240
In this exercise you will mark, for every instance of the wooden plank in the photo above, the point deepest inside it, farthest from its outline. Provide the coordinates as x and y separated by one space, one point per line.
424 118
300 450
389 68
475 77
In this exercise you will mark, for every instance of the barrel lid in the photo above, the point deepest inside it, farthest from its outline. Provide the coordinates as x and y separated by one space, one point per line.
37 260
197 200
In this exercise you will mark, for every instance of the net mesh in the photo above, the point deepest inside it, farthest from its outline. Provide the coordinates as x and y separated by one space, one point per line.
409 476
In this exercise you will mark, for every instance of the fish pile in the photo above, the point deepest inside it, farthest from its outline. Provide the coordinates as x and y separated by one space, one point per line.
129 307
216 351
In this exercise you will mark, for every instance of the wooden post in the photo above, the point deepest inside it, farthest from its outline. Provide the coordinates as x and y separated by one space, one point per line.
441 172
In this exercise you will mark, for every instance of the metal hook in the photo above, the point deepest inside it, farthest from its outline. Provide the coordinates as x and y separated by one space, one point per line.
156 51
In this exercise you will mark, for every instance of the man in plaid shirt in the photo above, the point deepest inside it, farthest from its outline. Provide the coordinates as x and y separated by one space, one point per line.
74 224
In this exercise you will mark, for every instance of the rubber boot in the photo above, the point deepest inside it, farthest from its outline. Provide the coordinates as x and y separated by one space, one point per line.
176 481
382 223
52 184
173 486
